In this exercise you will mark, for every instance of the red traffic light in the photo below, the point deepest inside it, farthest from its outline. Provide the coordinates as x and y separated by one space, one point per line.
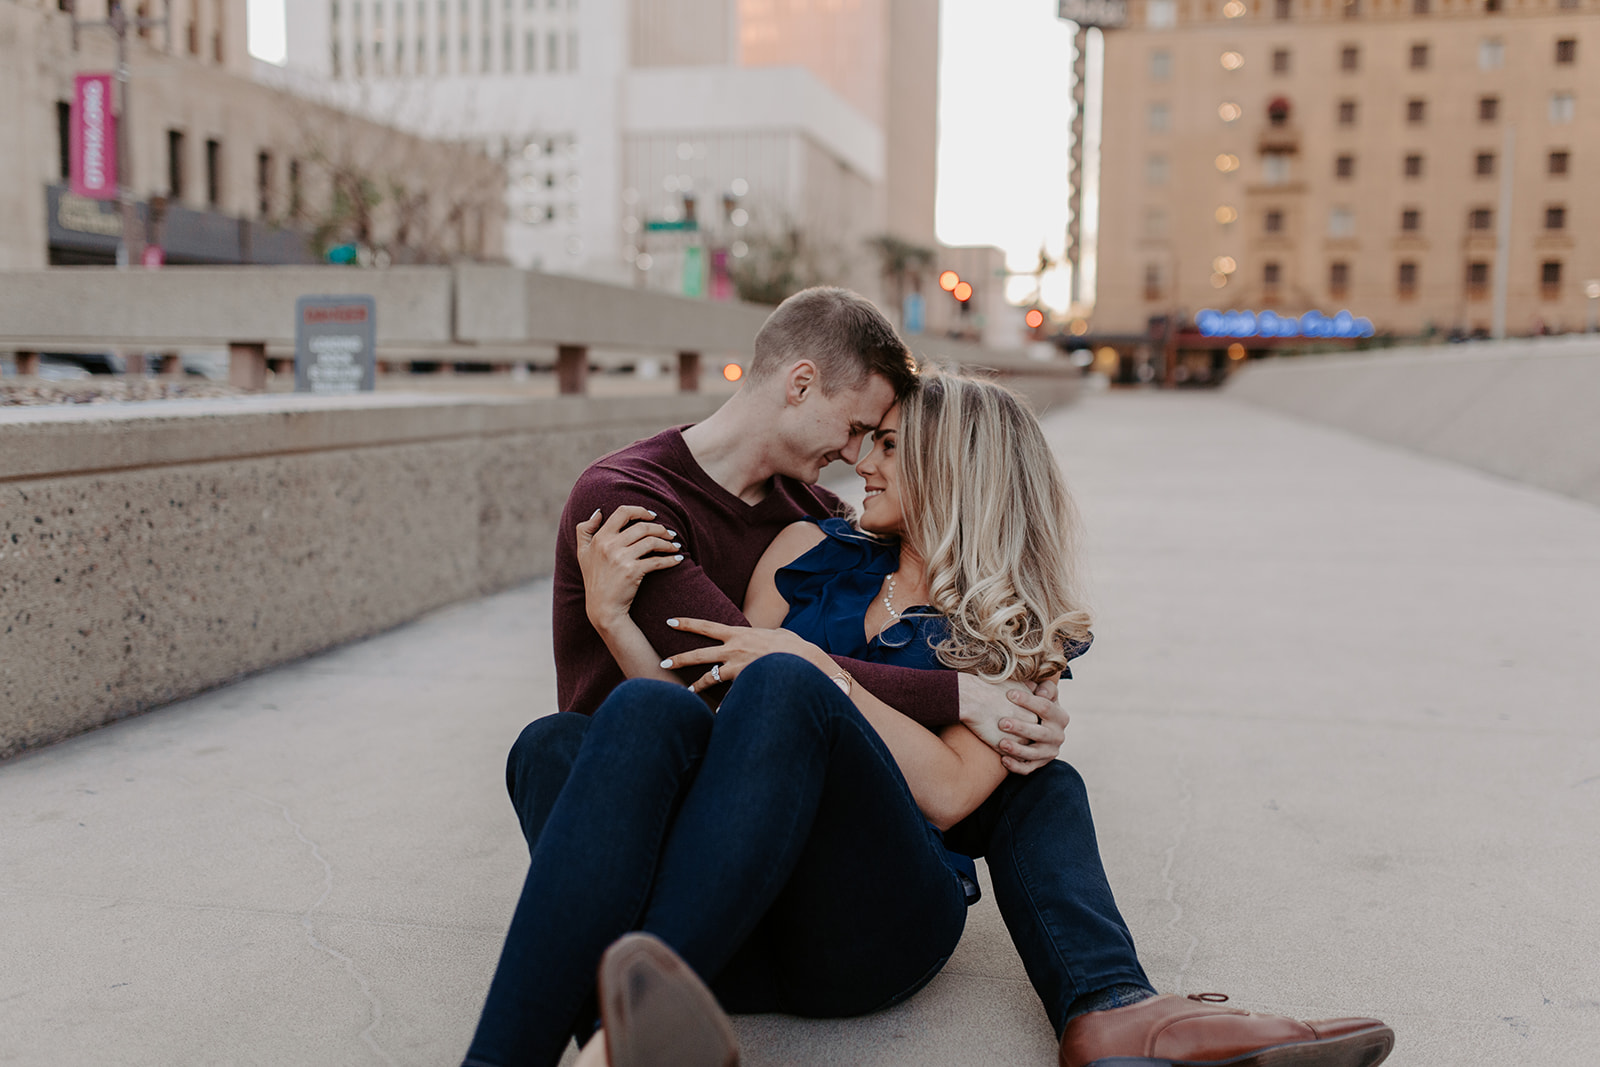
1034 318
949 280
962 292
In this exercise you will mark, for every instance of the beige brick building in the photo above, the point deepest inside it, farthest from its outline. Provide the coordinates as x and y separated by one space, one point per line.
1398 158
223 169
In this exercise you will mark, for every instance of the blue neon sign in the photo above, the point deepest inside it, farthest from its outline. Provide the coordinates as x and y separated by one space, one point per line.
1213 323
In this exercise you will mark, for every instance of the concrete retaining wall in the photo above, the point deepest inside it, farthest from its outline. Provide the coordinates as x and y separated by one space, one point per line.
1527 410
153 551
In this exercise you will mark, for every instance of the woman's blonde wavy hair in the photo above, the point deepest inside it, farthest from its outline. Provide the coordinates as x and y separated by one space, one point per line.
986 505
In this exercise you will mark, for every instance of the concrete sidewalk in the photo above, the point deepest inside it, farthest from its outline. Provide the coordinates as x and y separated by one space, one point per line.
1341 724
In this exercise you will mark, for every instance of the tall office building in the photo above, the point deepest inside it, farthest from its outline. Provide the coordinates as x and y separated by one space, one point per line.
664 142
1418 162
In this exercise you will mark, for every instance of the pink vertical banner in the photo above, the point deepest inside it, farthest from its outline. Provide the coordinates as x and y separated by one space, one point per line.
94 138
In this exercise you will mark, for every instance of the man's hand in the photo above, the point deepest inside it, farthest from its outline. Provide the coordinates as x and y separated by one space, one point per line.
614 557
1026 728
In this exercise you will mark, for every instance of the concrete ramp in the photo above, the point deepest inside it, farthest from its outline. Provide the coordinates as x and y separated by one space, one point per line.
1525 410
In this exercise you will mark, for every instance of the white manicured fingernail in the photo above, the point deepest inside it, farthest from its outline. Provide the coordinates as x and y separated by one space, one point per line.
675 544
666 664
672 533
652 514
672 622
678 558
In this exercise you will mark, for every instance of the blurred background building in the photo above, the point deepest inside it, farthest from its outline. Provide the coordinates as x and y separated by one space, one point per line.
220 168
1426 164
708 147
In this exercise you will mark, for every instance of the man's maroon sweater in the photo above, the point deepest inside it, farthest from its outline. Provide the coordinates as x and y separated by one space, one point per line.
723 538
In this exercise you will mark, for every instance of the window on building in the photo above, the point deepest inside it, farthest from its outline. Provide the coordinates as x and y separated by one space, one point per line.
1406 282
1488 108
1275 168
1352 9
1280 61
530 48
264 184
1412 166
1155 223
1283 9
1158 118
1570 3
1344 166
1338 279
1556 163
1483 164
175 164
572 58
295 204
508 61
1416 111
1419 57
214 172
1410 220
1154 281
1480 219
1550 279
1271 277
1555 217
1347 112
1272 222
1155 170
191 35
1562 108
1567 50
1350 58
1477 279
1161 14
1491 54
1341 222
336 61
1420 7
1160 65
217 22
552 53
64 138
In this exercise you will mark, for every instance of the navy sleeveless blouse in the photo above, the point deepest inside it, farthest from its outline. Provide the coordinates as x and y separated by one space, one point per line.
829 590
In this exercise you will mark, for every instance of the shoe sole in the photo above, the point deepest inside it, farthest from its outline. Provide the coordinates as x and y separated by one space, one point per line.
656 1011
1366 1048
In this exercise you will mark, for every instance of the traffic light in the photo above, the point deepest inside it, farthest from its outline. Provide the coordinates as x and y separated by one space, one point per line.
949 280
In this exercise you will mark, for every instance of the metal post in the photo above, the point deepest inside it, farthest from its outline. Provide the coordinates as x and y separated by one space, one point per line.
130 250
1080 52
1502 251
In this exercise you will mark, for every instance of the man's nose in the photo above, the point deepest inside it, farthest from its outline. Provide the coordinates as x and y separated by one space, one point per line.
851 452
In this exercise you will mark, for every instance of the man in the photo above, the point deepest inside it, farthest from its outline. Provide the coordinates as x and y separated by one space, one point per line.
827 368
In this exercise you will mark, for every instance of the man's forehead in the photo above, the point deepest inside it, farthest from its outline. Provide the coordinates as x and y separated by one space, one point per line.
871 402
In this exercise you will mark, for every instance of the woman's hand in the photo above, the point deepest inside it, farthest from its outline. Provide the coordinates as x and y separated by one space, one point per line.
740 646
616 555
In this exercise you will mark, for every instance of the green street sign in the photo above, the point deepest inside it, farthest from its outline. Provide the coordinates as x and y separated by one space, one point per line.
678 226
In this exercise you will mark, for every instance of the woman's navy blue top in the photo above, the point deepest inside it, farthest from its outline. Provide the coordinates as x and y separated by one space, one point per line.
829 590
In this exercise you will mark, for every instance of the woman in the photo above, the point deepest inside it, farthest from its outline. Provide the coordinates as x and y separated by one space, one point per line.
798 859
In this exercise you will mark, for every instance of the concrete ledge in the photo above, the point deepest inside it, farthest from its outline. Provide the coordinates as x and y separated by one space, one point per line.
153 551
1525 410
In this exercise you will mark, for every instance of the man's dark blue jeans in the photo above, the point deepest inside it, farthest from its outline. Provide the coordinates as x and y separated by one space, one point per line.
774 845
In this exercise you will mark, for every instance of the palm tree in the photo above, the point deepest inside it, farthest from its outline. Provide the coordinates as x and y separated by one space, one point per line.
900 262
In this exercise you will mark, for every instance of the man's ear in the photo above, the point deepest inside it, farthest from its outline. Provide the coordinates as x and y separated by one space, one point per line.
800 382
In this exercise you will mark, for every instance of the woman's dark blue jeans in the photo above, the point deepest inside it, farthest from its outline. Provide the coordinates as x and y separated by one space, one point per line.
774 845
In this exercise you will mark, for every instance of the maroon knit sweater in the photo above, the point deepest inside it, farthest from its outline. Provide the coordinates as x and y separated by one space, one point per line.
723 538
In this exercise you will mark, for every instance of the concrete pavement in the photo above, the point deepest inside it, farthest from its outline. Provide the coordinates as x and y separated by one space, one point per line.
1340 725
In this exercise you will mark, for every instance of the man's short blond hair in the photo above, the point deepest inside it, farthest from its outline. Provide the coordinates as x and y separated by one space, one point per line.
842 332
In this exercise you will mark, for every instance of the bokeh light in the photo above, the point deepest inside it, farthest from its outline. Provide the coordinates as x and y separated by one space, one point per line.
962 292
1034 319
732 372
1226 213
949 280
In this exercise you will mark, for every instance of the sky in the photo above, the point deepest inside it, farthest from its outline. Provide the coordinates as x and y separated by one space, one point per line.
1005 108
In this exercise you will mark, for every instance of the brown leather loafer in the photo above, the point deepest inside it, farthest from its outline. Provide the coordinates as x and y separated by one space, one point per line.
1194 1031
657 1013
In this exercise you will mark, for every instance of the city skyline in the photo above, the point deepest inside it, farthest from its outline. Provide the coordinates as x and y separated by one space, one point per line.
1005 107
